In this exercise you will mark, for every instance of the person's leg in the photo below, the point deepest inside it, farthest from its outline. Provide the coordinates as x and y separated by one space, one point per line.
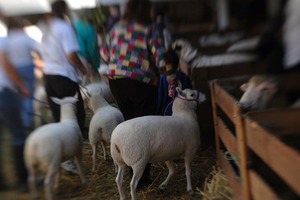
121 90
59 86
3 185
135 99
11 117
27 75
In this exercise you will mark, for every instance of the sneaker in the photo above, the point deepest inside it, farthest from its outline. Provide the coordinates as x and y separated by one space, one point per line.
69 166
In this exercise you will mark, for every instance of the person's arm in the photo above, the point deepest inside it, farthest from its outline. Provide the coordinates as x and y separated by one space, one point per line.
75 61
13 74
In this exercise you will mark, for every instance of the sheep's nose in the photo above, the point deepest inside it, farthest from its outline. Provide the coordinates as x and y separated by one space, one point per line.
245 105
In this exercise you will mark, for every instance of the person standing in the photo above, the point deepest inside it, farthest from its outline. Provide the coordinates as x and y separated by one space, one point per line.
88 42
10 114
113 18
136 58
19 47
291 37
58 51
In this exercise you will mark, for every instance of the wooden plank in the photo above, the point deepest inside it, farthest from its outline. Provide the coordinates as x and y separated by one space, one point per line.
215 121
283 159
260 190
242 151
227 137
225 101
281 121
231 176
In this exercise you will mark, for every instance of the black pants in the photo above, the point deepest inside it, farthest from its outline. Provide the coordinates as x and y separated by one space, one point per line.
60 86
134 98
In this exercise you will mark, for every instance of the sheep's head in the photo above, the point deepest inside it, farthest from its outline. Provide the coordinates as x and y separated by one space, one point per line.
190 95
258 92
66 100
96 99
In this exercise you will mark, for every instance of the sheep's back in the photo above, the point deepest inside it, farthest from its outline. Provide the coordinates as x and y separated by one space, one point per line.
106 118
158 137
51 138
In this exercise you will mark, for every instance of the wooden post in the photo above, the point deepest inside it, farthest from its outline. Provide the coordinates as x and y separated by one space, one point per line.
242 150
215 120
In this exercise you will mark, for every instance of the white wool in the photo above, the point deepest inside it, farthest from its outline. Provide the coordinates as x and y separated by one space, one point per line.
156 139
49 145
102 124
94 87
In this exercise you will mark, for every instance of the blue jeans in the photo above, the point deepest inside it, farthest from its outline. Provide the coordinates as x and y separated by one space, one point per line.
27 75
10 116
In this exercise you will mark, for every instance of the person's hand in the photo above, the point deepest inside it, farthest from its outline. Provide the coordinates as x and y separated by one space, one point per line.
82 69
25 92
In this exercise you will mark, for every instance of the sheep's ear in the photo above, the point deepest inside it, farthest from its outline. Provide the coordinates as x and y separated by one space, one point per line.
244 87
179 91
179 84
56 100
76 95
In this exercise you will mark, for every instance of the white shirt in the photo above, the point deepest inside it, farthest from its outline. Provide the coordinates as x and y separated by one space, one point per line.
5 82
19 46
59 39
291 36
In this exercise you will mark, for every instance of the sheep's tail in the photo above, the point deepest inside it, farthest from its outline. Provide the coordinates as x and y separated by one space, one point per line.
29 155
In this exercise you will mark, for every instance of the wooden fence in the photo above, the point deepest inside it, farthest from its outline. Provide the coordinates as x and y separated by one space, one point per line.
237 138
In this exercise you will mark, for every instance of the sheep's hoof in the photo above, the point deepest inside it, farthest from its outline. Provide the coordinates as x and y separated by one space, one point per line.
191 192
162 188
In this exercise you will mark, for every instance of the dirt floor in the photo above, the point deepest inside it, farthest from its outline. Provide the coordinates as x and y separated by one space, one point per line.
102 183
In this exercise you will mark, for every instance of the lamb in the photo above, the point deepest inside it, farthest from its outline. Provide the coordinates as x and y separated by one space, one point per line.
94 87
263 91
103 122
49 145
149 139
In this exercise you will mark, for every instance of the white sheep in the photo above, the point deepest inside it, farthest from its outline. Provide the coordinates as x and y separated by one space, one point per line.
102 124
51 144
263 91
149 139
94 87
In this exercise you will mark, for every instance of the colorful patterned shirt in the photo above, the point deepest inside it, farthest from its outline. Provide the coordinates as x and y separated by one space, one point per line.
128 50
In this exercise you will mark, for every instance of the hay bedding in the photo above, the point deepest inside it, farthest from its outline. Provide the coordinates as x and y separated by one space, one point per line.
102 183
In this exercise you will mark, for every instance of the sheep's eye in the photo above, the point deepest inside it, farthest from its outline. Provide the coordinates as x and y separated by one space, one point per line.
264 89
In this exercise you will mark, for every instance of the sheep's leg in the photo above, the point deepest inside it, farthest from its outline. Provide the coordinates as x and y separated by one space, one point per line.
104 152
116 167
31 182
48 183
78 165
170 165
187 163
94 157
137 174
56 183
119 180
